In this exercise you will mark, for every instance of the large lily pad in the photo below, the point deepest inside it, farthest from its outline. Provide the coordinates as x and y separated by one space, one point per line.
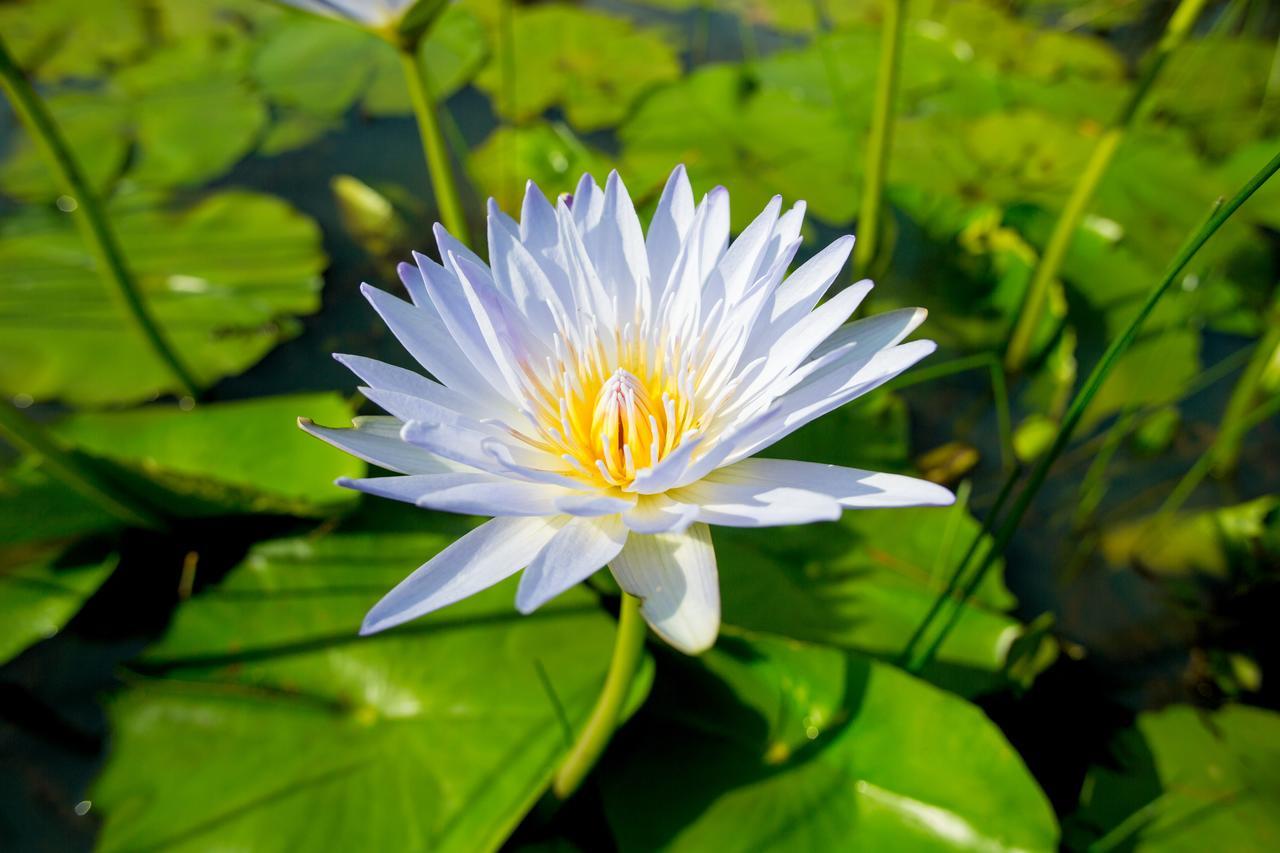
95 128
1187 780
784 746
265 722
57 39
225 277
591 65
246 456
40 593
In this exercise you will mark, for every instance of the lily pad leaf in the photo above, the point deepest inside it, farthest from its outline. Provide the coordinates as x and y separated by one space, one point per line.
58 39
225 278
266 722
1187 780
795 747
96 128
246 456
761 140
40 593
865 583
35 507
549 154
591 65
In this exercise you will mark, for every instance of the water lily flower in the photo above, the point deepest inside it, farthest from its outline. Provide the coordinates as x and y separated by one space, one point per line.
603 393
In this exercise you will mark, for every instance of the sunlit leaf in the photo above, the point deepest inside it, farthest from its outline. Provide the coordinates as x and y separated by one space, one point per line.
225 277
58 39
591 65
221 457
40 593
1187 780
266 722
796 747
95 127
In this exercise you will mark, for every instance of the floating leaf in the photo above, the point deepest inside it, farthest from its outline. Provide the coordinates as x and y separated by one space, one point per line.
269 723
865 583
548 154
795 747
36 507
96 129
1187 780
591 65
759 140
245 456
39 594
57 39
225 277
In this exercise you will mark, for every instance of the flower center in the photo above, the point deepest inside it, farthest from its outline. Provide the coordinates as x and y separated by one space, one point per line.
627 426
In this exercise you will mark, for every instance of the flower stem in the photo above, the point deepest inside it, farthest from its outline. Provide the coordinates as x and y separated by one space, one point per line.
433 144
90 217
1079 404
627 649
1064 230
877 162
27 436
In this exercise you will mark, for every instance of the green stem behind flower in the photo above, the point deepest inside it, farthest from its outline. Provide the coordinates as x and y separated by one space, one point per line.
1064 230
628 648
1079 404
1230 433
881 136
433 144
90 217
27 436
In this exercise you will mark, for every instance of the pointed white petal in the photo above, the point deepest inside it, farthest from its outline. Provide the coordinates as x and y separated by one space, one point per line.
388 377
852 487
667 231
490 553
449 297
738 501
377 441
616 247
469 493
487 449
591 504
674 575
581 546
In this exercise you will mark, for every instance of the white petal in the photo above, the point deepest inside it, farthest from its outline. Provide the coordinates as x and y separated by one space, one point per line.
667 231
490 553
741 502
616 246
738 268
591 504
388 377
377 441
450 299
486 449
422 333
674 575
470 493
581 546
660 514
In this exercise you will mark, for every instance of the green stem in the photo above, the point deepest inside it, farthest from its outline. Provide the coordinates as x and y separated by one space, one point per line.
27 436
877 162
433 144
1093 487
628 647
1064 230
90 217
1230 435
1080 402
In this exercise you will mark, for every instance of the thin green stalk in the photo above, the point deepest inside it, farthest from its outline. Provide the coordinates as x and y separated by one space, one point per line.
1093 486
508 180
1097 376
433 144
1064 230
27 436
1230 435
628 647
89 216
881 136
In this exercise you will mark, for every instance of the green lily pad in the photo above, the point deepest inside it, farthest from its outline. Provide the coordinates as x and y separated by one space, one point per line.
57 39
39 594
35 507
97 130
320 68
194 112
265 721
865 583
785 746
758 140
549 154
225 277
1187 780
591 65
246 456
